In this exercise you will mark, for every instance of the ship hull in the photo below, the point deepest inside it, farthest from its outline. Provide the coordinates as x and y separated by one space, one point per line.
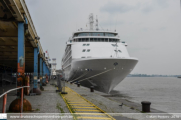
103 74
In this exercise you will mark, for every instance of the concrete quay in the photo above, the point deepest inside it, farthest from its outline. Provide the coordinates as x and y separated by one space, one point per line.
51 103
111 105
48 103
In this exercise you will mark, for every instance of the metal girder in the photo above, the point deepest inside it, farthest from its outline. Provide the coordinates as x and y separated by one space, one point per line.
16 11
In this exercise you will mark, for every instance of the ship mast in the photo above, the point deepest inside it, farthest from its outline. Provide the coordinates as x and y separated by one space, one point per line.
97 28
91 21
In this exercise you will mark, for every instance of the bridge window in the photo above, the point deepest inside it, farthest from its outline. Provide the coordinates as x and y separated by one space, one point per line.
113 40
97 34
83 34
79 39
88 44
109 34
95 39
84 44
91 39
119 50
83 50
88 50
83 40
99 39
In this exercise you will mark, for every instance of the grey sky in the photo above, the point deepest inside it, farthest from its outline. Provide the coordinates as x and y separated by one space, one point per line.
150 27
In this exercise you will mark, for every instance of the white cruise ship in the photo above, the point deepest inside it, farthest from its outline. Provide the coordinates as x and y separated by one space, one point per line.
96 58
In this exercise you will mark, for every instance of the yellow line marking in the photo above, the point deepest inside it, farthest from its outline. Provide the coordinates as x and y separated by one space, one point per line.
83 107
74 101
73 106
77 102
80 104
102 114
85 110
94 118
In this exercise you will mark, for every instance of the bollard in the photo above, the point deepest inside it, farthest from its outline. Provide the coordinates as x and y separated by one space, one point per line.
92 89
78 84
4 103
146 106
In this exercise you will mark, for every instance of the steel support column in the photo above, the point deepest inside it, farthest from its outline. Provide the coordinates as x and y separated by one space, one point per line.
41 70
35 84
21 57
46 74
44 78
15 105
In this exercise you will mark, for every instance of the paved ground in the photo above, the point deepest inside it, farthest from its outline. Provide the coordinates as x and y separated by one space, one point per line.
52 104
48 102
111 104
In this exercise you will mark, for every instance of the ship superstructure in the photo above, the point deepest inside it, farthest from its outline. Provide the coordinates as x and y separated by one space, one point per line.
96 58
53 66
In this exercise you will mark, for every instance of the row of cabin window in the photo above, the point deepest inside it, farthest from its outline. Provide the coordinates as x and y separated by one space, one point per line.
88 50
95 34
114 45
85 57
95 40
86 44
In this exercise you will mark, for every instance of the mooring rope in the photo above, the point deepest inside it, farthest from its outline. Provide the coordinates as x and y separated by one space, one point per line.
96 75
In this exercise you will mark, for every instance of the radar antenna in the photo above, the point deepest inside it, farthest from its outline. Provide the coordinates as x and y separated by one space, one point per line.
91 21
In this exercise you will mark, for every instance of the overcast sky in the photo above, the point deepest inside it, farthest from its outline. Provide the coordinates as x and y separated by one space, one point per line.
150 27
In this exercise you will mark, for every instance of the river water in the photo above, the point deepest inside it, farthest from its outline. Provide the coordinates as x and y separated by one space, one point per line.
164 93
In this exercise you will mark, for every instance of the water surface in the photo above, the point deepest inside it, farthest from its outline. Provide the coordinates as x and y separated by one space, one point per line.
163 92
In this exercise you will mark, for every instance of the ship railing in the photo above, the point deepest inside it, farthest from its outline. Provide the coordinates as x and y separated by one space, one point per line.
81 29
